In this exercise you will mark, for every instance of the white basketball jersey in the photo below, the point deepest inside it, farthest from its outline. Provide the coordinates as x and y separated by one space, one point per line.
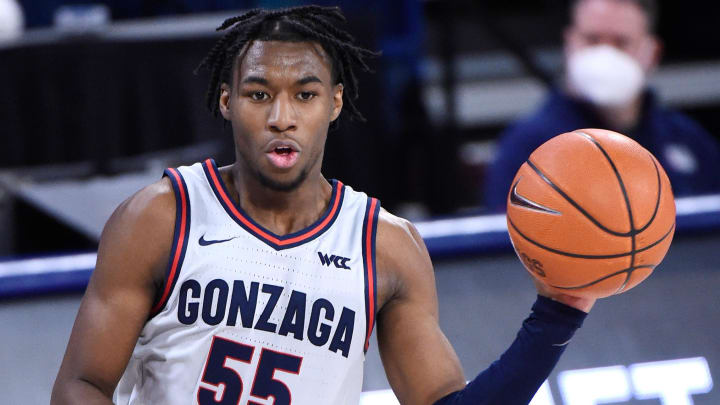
250 317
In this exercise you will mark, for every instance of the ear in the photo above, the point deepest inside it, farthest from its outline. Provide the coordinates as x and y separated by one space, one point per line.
224 101
337 101
655 52
570 41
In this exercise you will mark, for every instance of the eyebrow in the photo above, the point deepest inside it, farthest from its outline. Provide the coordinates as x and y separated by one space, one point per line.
309 79
255 79
264 82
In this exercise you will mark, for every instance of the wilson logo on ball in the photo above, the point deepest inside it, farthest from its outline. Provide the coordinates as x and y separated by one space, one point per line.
533 264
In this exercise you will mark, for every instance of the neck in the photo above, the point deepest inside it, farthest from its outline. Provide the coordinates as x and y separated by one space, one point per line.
618 118
281 212
621 118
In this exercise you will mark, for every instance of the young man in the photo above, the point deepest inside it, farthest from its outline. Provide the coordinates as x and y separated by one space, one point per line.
263 279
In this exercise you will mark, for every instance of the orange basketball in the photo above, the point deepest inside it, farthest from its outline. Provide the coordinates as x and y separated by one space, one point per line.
591 213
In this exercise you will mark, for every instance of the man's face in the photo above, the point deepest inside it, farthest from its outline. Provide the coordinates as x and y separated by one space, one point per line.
281 103
618 23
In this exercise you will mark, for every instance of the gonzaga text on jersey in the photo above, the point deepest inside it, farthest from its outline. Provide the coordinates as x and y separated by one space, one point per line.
197 302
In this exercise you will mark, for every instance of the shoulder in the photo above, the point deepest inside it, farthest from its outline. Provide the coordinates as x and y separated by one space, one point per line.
151 206
525 135
527 127
402 258
140 231
551 117
396 236
677 127
681 123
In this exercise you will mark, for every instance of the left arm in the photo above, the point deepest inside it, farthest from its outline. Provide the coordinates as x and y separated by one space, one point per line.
420 363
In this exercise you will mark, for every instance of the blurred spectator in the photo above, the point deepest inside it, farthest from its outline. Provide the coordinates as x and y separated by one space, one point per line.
610 49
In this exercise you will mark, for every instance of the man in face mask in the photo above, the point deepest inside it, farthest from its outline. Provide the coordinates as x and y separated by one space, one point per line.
610 49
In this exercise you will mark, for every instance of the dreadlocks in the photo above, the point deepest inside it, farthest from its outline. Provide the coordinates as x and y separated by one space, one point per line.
297 24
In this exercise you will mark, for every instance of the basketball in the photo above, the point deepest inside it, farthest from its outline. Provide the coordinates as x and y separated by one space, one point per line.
591 213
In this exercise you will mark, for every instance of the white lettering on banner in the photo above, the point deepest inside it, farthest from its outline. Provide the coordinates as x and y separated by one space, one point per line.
386 397
673 381
543 396
595 385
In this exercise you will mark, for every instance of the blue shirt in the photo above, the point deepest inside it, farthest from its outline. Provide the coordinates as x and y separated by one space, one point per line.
688 153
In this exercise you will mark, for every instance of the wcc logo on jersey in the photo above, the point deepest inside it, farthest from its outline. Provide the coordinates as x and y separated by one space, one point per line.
339 261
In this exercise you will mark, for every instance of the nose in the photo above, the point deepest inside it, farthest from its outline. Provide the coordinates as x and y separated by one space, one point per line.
283 116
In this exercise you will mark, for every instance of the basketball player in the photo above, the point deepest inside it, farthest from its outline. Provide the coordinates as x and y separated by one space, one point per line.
262 279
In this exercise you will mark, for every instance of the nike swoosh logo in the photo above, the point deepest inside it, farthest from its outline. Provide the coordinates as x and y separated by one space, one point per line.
205 242
520 201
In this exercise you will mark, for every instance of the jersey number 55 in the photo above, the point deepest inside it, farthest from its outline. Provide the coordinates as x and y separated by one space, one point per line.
222 385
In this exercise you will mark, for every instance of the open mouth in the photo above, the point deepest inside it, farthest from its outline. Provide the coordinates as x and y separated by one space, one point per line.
283 150
282 155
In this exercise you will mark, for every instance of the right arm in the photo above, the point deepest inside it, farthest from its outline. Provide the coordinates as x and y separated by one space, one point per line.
130 270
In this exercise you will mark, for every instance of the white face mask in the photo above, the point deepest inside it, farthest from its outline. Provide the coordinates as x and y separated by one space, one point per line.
605 76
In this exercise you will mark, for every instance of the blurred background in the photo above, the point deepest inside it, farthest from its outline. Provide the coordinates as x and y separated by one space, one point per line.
98 97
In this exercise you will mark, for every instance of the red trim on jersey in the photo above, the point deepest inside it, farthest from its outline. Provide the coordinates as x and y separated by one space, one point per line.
180 240
261 232
370 269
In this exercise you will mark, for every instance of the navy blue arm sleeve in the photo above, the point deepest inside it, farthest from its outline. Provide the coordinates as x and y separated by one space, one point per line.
521 370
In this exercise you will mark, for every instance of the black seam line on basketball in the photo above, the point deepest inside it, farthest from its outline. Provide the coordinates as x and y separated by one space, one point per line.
519 201
627 277
659 193
617 175
624 284
633 231
580 256
628 270
573 203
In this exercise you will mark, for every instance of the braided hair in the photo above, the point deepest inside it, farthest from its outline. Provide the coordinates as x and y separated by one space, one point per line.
296 24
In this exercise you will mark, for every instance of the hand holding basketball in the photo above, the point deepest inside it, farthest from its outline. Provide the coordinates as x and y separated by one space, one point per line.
591 213
582 303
